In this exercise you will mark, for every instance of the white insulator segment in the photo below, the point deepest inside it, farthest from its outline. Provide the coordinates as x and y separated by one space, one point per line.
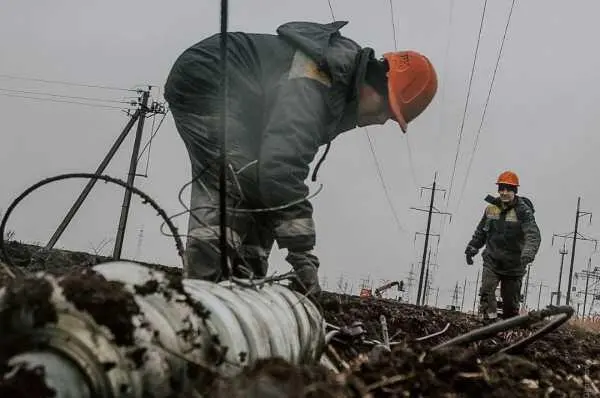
273 320
60 374
179 330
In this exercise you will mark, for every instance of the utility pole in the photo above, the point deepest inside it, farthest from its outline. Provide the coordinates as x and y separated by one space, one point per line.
410 283
575 235
464 291
455 296
563 252
541 285
138 116
587 283
425 296
437 296
131 177
475 295
430 212
428 280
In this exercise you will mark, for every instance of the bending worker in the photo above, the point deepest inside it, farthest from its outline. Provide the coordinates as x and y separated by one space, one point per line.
512 239
288 94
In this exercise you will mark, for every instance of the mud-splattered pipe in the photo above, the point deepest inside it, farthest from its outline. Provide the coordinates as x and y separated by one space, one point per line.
125 330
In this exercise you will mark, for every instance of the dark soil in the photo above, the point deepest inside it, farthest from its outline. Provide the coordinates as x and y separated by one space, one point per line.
108 302
562 364
26 304
26 383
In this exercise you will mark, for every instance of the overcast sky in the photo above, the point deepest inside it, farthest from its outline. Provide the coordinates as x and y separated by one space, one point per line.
541 122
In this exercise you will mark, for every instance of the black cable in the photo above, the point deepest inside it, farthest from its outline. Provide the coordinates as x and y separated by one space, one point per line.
462 124
485 107
223 123
384 185
149 143
8 90
46 181
331 10
564 313
5 76
63 101
393 26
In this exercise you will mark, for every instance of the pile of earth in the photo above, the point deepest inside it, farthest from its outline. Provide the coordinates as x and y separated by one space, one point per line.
562 364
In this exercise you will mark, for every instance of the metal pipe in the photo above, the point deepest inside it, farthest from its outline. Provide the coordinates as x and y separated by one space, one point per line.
218 327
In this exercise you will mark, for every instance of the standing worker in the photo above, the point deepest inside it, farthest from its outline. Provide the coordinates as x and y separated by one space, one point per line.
287 95
512 239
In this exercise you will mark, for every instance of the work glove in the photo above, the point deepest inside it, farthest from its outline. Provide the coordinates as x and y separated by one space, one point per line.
526 260
470 252
306 267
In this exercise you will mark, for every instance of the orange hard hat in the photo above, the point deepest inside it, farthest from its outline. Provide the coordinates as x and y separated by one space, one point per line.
508 178
412 84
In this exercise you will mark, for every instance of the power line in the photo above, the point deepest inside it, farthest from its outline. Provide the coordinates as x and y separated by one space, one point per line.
487 100
462 125
384 185
408 149
8 90
372 148
62 101
444 72
5 76
393 25
152 135
331 10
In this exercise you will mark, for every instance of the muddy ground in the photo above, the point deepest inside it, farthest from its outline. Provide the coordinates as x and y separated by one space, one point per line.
565 363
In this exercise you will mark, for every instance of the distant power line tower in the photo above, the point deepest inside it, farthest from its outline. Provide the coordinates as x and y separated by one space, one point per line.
432 209
575 235
410 282
455 296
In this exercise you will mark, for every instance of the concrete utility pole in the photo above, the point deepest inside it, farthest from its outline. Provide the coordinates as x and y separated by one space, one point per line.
575 235
430 212
139 116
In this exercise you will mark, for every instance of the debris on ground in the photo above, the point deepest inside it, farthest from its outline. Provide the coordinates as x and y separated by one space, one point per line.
565 363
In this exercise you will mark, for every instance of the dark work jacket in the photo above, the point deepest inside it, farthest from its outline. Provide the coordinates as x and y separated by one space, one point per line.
508 233
288 94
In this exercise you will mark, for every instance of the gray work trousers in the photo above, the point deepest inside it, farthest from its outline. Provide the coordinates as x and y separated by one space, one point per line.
510 291
250 236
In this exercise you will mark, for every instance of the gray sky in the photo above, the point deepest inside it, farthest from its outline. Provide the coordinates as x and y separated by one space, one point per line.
540 122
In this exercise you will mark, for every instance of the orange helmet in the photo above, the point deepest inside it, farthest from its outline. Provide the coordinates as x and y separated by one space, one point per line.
412 84
508 178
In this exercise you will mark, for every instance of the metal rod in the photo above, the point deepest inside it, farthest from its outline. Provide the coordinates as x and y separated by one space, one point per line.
223 122
131 176
65 222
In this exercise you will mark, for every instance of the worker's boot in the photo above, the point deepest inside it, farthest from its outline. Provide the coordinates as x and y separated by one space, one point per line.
306 267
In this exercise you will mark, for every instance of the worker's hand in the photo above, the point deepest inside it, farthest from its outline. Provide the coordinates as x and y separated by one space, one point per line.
470 252
469 260
526 260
